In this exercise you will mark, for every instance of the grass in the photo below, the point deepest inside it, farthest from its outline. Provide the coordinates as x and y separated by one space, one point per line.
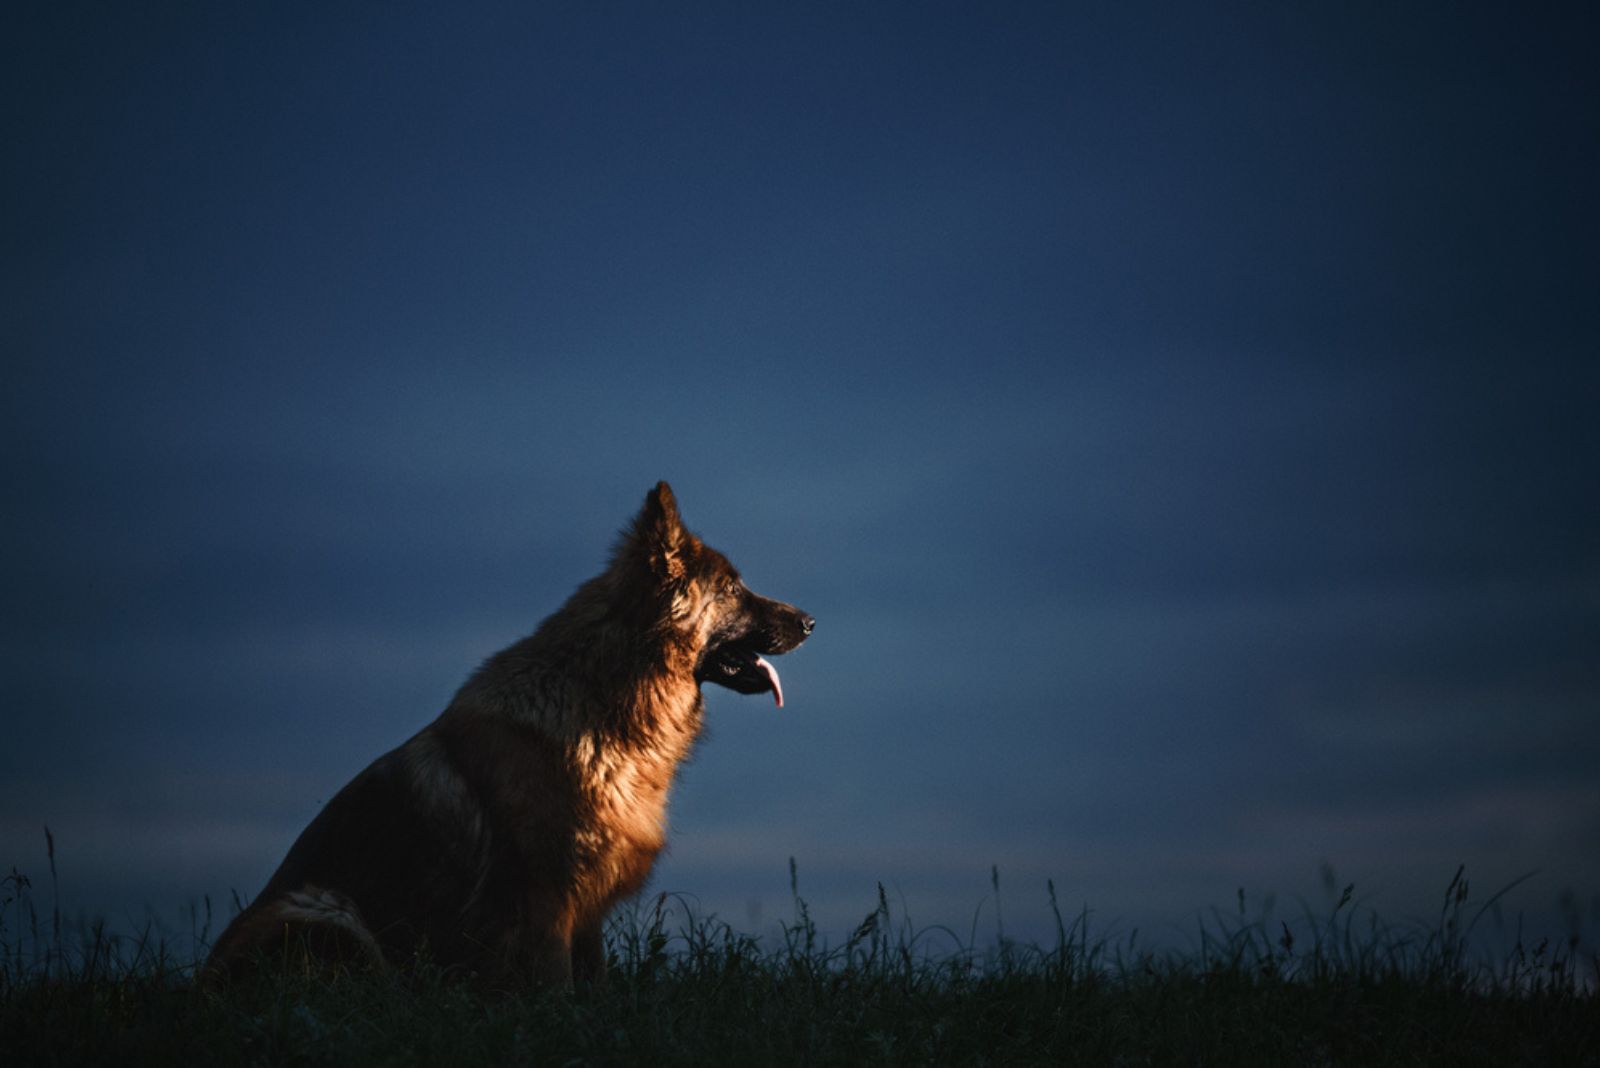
1335 988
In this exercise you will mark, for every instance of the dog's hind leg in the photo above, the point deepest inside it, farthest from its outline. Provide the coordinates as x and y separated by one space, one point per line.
303 928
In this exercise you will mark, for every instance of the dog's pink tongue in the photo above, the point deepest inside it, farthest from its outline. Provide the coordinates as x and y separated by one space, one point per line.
772 677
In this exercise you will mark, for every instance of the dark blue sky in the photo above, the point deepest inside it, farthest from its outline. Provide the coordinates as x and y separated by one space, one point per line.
1180 420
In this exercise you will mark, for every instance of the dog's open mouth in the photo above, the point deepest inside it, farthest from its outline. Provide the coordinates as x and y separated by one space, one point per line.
742 669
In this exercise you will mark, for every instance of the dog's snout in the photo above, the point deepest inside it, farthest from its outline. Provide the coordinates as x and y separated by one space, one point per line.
807 624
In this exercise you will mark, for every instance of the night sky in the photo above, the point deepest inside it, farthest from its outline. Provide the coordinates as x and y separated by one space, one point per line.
1181 421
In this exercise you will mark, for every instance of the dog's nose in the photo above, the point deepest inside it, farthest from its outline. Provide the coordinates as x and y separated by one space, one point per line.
807 623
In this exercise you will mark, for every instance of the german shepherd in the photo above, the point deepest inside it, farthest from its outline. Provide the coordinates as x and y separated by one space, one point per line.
496 839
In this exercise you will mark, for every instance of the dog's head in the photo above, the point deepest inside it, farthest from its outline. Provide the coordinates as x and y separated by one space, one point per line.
728 629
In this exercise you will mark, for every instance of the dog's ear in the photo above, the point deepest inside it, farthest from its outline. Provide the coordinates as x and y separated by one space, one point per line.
659 533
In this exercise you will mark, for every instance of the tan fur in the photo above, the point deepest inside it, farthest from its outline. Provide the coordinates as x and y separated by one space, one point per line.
497 838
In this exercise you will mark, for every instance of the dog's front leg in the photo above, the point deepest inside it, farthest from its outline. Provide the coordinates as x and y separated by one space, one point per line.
589 955
549 961
545 943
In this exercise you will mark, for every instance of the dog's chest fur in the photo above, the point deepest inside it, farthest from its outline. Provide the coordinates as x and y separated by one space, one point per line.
590 771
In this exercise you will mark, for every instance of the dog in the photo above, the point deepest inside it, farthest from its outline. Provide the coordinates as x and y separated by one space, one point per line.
495 840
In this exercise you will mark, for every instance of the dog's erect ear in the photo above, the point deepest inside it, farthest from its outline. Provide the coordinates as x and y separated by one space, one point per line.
659 532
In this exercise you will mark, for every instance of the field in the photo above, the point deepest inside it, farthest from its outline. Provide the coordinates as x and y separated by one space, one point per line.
1336 988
